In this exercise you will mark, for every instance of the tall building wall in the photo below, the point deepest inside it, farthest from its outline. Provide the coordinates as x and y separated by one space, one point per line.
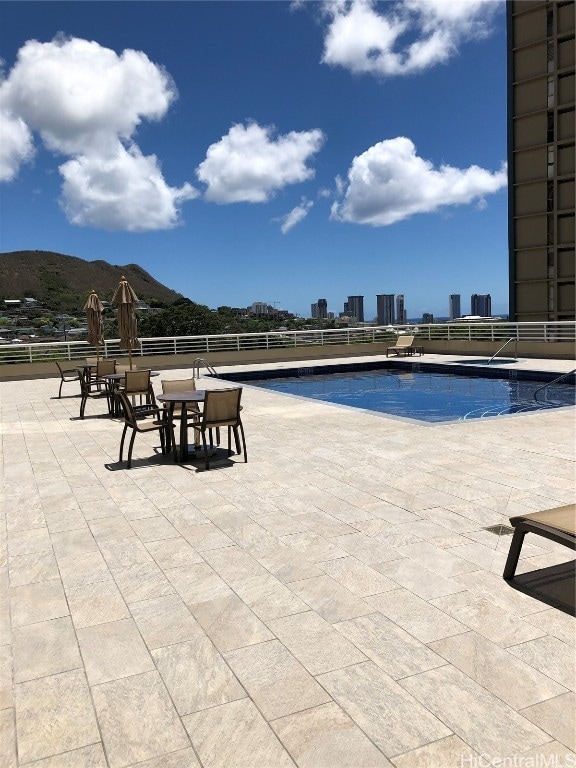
355 306
541 130
455 311
385 308
481 304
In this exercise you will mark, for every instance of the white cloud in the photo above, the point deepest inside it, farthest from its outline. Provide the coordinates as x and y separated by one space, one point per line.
296 215
390 182
16 146
250 165
86 101
407 37
121 192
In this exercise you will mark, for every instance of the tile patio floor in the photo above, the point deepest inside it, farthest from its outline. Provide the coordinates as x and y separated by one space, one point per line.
335 602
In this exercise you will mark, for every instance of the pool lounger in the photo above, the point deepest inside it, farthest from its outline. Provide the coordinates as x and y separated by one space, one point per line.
558 524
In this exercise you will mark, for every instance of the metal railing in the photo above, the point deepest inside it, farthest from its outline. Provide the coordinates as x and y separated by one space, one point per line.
198 363
502 347
205 345
554 381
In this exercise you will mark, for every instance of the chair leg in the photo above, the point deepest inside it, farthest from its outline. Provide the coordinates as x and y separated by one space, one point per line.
162 439
60 390
82 407
236 439
207 458
513 554
229 441
243 442
122 442
130 448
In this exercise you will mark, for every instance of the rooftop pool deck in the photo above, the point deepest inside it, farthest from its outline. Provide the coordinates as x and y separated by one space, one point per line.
336 602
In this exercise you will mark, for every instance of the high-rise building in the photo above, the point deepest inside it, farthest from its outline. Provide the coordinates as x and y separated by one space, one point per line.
355 307
481 304
400 311
427 318
385 309
455 306
314 311
541 131
322 309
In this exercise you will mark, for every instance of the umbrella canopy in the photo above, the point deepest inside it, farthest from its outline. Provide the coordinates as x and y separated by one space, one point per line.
94 309
125 299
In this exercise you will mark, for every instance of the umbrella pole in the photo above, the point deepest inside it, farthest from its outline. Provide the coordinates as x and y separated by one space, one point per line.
130 355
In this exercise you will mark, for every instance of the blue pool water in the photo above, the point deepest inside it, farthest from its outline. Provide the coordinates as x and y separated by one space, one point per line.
426 396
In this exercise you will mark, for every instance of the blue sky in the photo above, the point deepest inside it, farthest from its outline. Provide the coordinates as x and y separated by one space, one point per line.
263 151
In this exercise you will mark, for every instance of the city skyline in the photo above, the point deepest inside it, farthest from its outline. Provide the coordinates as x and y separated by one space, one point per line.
252 139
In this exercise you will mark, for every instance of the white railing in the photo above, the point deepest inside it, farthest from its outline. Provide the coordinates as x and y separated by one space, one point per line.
203 346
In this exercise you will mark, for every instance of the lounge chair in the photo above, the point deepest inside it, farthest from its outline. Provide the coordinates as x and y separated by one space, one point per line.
558 524
67 374
403 346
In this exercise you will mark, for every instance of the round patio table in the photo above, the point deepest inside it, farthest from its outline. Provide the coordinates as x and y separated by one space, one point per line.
184 399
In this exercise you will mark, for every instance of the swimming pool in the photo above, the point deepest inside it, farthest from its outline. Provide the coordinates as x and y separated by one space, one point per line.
429 396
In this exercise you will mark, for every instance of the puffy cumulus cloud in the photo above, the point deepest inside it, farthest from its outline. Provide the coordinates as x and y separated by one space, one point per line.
406 37
249 164
121 192
16 146
296 215
389 183
86 101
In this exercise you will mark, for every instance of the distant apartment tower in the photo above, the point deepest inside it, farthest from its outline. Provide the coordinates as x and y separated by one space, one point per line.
541 131
455 306
401 317
322 309
385 309
355 307
427 318
481 304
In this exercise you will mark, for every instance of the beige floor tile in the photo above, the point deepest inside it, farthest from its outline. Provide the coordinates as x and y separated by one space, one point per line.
488 619
415 615
450 752
551 656
65 520
196 675
142 582
28 542
233 564
54 714
165 621
418 579
173 553
493 587
97 602
123 553
325 737
315 643
137 719
389 646
197 583
436 559
73 543
551 753
268 597
8 757
37 602
229 623
314 547
113 650
6 699
556 717
286 564
85 757
29 569
183 758
555 623
106 528
77 570
367 549
513 681
477 716
275 681
45 649
154 529
331 600
324 524
235 734
359 578
391 718
205 536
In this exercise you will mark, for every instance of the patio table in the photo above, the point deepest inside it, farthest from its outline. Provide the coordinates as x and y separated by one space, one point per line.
184 399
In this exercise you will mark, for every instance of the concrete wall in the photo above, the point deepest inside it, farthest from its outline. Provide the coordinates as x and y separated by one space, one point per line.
550 350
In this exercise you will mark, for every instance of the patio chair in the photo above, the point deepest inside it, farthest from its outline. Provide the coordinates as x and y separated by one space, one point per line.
94 389
558 524
221 409
181 385
67 374
138 422
138 384
403 346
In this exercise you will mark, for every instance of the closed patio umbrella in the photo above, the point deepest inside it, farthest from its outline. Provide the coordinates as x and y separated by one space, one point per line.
94 309
125 299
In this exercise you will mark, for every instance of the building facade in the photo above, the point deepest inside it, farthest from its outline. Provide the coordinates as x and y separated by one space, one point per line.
400 310
355 307
385 309
481 304
541 131
455 311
